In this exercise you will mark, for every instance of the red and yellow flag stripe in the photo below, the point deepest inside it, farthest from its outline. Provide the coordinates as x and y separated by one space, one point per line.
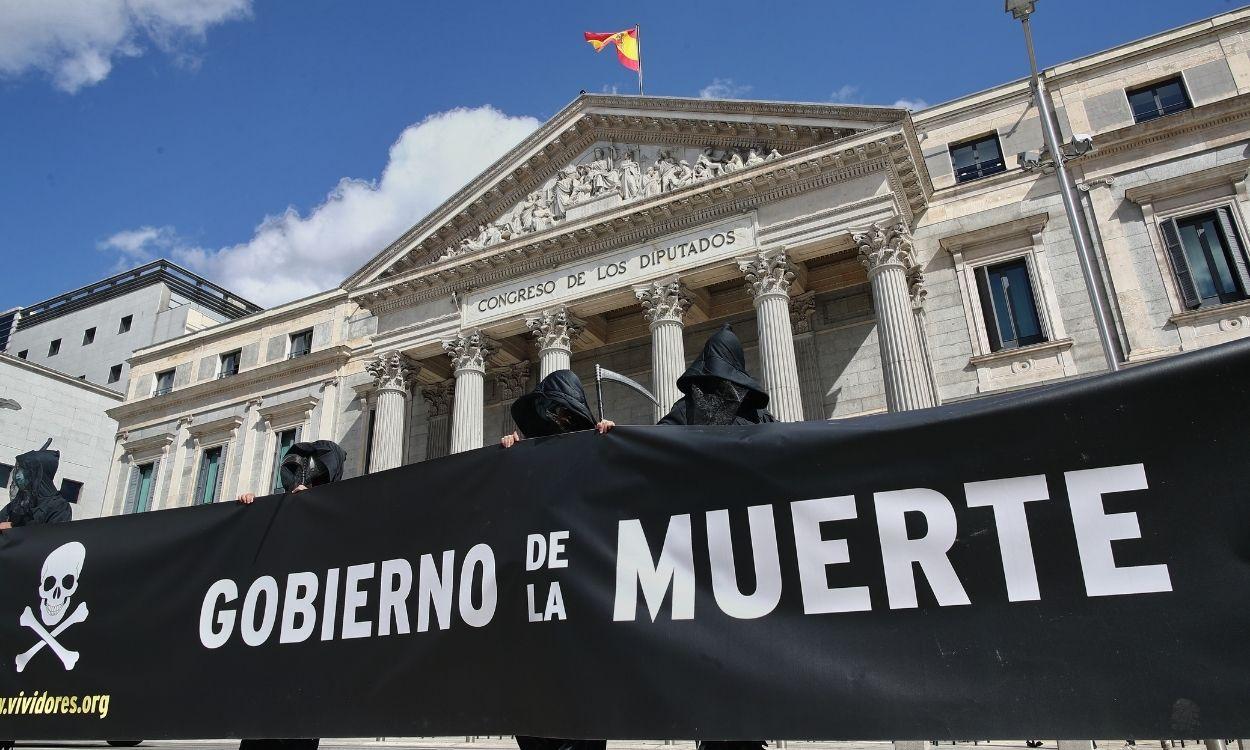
626 43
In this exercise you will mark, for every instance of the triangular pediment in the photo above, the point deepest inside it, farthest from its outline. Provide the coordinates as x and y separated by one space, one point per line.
601 153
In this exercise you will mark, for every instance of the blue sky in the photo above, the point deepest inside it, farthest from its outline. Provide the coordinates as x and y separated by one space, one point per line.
275 146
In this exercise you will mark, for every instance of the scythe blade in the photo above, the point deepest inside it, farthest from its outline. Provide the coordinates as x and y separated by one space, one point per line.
603 373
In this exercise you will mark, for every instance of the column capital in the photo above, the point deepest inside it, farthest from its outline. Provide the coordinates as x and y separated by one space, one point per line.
390 371
438 398
768 273
664 301
469 351
802 308
555 328
512 380
882 247
916 288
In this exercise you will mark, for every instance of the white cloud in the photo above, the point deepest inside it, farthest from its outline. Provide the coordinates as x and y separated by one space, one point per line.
141 244
844 94
77 41
912 104
724 88
291 255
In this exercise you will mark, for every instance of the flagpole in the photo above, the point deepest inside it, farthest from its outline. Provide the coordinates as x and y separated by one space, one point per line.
638 43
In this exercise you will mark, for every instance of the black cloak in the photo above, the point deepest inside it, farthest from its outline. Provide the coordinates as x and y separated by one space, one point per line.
311 464
556 405
721 361
38 501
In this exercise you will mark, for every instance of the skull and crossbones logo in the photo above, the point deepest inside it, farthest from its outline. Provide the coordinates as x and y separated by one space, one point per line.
58 583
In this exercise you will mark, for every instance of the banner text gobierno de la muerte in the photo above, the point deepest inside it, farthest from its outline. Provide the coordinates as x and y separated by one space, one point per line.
1068 561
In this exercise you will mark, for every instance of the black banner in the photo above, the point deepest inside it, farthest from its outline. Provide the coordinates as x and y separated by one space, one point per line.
1067 561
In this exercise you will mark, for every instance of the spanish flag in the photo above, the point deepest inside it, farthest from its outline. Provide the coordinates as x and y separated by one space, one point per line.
626 45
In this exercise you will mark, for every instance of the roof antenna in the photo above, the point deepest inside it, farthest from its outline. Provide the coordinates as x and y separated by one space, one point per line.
46 444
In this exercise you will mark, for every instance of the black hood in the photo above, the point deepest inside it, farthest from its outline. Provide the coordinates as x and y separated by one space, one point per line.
723 358
40 468
534 412
328 454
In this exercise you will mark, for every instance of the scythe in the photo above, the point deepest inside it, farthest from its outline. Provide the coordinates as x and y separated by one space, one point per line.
603 373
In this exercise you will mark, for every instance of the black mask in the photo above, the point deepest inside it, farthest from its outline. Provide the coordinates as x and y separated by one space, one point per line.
715 401
305 470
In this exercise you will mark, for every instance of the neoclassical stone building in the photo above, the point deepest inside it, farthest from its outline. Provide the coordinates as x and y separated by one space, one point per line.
870 258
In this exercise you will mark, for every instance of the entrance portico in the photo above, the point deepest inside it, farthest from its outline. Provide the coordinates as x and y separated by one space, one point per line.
626 229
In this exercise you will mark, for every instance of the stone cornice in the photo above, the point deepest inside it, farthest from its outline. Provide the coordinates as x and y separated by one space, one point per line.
57 375
144 447
893 149
295 410
1132 137
181 400
1030 225
1224 174
787 126
217 428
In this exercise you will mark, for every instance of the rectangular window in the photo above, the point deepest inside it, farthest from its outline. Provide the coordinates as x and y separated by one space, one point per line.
1208 258
209 477
125 324
143 491
229 364
6 471
70 490
285 440
301 343
115 373
22 354
977 158
1009 305
164 382
1158 99
54 348
88 336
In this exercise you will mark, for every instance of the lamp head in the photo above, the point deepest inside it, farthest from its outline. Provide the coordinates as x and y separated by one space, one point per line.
1019 9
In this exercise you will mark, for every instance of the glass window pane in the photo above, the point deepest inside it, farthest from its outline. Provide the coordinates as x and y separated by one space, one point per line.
1172 97
1143 104
1014 305
1199 269
963 156
209 469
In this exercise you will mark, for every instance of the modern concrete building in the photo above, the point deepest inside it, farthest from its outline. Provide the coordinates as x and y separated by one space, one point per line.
37 403
92 331
870 258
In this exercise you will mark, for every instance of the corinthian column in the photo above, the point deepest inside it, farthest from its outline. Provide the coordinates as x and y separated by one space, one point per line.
391 378
437 410
769 274
555 330
887 254
664 304
468 353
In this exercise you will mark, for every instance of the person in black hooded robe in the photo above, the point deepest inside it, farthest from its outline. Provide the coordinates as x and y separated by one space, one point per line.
556 406
305 465
717 388
33 498
718 391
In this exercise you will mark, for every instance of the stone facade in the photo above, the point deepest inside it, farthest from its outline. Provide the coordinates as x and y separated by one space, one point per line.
855 261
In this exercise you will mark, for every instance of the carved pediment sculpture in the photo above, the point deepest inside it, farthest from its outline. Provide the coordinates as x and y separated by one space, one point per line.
607 176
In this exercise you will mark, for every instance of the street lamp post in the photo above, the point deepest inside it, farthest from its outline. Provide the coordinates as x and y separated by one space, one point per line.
1021 10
